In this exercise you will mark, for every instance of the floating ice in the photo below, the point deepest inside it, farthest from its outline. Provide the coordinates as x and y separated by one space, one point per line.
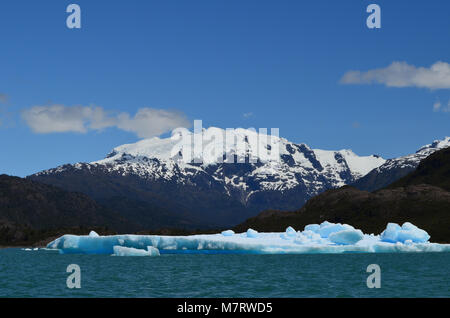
130 251
346 237
228 233
93 234
290 231
252 233
313 228
327 228
407 232
324 238
153 251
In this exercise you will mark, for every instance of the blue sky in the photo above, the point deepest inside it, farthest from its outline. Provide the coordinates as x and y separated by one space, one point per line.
233 63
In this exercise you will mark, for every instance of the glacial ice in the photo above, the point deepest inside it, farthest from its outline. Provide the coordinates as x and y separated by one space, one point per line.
252 233
324 238
228 233
93 234
346 237
130 251
407 232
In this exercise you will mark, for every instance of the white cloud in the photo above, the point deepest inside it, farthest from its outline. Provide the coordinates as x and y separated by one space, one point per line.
147 122
247 115
402 74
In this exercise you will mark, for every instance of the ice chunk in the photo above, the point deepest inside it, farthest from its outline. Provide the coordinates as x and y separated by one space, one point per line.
93 234
413 233
153 251
130 251
407 232
327 228
346 237
290 231
390 233
228 233
252 233
313 228
289 234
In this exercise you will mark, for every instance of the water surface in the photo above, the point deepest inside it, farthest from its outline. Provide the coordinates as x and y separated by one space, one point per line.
43 274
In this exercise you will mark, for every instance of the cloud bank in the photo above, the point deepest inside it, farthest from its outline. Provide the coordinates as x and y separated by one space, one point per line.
57 118
402 74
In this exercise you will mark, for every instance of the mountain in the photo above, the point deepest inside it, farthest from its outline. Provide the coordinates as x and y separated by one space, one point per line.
30 209
422 198
394 169
154 181
434 170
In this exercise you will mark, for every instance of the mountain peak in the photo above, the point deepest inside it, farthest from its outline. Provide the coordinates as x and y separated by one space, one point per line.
247 145
435 145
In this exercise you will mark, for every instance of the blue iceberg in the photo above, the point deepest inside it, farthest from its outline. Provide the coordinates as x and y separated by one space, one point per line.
324 238
407 232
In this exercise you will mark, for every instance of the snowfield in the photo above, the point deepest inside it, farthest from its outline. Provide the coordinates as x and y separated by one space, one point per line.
324 238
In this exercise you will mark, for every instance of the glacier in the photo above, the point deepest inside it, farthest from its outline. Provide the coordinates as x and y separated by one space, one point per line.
327 237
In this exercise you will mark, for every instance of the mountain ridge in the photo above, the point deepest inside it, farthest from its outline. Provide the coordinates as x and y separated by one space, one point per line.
396 168
213 192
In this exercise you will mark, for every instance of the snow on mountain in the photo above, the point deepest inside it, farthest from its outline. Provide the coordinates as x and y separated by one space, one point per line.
158 158
396 168
413 160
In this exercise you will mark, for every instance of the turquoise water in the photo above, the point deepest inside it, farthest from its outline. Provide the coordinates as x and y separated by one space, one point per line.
43 274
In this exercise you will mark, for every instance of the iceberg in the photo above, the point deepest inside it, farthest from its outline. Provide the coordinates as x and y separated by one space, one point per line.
327 237
130 251
407 232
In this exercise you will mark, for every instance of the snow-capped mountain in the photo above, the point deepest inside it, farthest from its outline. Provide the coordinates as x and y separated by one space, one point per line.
154 173
394 169
297 163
